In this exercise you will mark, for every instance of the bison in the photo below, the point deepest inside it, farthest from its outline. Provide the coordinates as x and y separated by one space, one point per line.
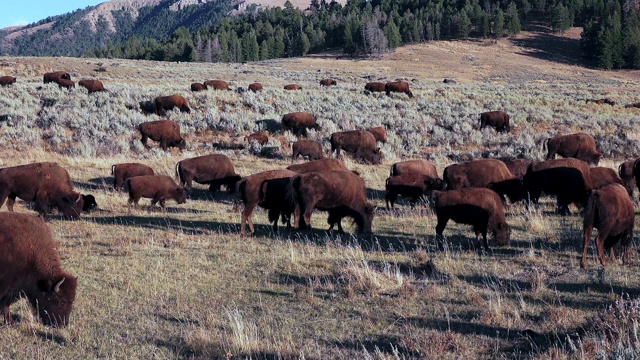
580 146
67 84
196 86
214 170
309 148
479 207
341 192
30 267
89 203
475 173
318 165
299 122
164 103
167 132
399 87
55 76
518 167
217 84
158 188
375 87
261 137
410 185
92 85
292 87
249 190
449 81
361 144
611 211
602 176
414 167
625 171
569 179
46 183
276 197
379 132
123 171
7 80
328 82
632 105
602 101
255 87
499 120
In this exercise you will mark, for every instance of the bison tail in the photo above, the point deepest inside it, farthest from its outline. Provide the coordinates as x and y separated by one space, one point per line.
590 209
178 171
240 188
545 144
113 169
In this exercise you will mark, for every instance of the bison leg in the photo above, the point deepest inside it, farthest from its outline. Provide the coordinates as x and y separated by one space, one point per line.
11 200
442 223
144 141
8 319
246 217
600 239
586 237
163 144
42 207
390 197
484 240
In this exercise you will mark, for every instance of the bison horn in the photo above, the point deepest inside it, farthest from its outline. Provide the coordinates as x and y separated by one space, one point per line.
78 199
56 288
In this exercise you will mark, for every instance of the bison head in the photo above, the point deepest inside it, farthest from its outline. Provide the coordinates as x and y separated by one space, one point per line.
70 206
89 203
502 233
594 159
368 218
54 299
180 144
181 195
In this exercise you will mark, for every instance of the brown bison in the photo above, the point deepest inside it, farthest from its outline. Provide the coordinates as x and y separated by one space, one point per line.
414 167
123 171
299 122
318 165
411 186
7 80
196 86
399 87
292 87
475 173
512 188
379 132
55 76
46 183
309 148
375 87
580 146
625 171
67 84
518 167
361 144
167 132
276 196
164 103
569 179
30 268
602 176
499 120
602 101
479 207
217 84
249 189
328 82
611 211
261 137
633 105
158 188
92 85
255 87
214 170
340 192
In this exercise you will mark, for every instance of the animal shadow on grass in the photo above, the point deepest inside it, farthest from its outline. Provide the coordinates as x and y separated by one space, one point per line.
51 337
99 183
187 227
221 196
375 194
547 46
464 327
390 346
185 349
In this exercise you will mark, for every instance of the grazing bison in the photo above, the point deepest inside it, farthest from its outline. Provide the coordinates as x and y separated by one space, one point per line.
196 86
602 176
328 82
255 87
479 207
580 146
92 85
299 122
611 211
411 186
67 84
167 132
340 191
217 84
633 105
309 148
518 167
449 81
123 171
30 267
214 170
511 188
569 179
499 120
379 132
475 173
158 188
55 76
318 165
164 103
261 137
375 87
89 203
361 144
46 183
399 87
147 107
7 80
414 167
276 196
601 101
249 189
292 87
625 171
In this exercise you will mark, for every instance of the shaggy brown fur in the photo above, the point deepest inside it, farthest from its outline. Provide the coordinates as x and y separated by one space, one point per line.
498 120
67 84
164 103
475 173
518 167
262 137
379 132
276 196
196 86
411 186
415 167
625 171
328 82
361 144
123 171
580 146
602 101
602 176
375 87
217 84
309 148
92 85
398 86
255 87
293 87
167 132
54 76
215 170
299 122
318 165
158 188
7 80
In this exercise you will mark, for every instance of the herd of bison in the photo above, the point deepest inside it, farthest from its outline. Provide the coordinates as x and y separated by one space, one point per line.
473 192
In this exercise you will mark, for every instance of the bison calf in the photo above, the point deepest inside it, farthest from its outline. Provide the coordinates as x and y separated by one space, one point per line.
92 85
374 87
499 120
123 171
217 84
328 82
309 148
399 87
255 87
293 87
215 170
411 186
164 103
379 132
7 80
196 86
299 122
167 132
158 188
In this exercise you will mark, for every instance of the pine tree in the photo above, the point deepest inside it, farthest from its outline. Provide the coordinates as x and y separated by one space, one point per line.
560 19
392 33
498 24
513 21
264 50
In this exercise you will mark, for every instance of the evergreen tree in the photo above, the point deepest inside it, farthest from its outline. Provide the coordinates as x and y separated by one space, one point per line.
264 50
392 34
498 24
513 21
560 19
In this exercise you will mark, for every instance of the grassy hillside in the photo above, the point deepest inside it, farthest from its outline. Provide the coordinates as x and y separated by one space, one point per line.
184 284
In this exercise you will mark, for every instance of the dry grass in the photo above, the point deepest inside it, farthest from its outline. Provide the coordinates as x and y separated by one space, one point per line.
184 284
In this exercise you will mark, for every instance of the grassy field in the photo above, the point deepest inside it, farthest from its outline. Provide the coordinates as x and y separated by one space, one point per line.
184 284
